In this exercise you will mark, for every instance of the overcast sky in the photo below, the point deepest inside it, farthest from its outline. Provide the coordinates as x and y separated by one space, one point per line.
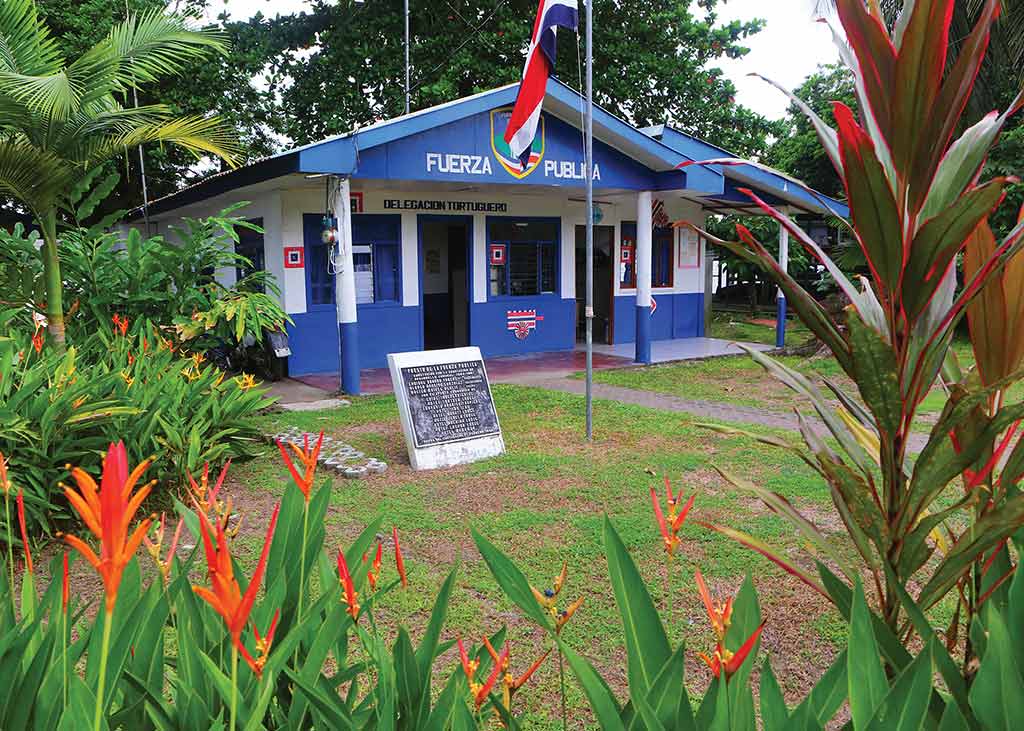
789 48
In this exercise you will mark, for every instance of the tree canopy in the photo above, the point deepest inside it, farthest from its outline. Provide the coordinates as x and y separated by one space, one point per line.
294 79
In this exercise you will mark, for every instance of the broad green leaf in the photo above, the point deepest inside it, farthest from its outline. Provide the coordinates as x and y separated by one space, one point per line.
774 713
647 648
996 692
905 707
864 663
511 581
602 701
876 374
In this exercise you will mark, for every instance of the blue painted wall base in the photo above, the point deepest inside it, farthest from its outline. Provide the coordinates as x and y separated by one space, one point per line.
780 322
348 335
643 334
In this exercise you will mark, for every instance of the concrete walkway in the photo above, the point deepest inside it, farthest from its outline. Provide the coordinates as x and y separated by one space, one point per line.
711 410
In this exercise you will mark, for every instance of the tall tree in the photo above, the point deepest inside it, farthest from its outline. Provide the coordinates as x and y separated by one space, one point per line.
798 151
342 64
60 121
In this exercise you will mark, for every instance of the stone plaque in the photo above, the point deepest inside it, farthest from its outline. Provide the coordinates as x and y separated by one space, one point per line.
445 404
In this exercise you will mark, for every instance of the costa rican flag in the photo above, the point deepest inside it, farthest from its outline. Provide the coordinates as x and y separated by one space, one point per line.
521 322
540 60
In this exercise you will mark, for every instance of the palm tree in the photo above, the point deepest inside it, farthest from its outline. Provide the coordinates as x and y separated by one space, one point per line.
59 121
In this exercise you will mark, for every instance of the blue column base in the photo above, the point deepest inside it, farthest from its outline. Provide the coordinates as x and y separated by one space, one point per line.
348 334
780 322
643 335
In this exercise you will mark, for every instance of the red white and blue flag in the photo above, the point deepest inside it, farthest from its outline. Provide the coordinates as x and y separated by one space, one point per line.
540 60
521 322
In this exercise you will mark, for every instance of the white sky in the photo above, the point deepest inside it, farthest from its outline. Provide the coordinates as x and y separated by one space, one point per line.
790 47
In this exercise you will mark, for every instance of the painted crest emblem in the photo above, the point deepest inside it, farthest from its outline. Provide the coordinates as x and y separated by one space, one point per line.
521 322
502 153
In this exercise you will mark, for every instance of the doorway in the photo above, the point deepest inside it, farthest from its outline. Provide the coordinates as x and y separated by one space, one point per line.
604 310
444 263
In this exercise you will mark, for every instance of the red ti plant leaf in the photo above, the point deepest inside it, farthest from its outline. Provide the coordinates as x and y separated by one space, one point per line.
876 58
919 68
933 138
769 553
995 317
872 202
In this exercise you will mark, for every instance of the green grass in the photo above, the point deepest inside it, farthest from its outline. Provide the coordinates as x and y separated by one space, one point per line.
543 503
736 326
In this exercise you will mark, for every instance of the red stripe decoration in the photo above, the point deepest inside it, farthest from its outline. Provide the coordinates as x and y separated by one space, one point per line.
521 322
540 59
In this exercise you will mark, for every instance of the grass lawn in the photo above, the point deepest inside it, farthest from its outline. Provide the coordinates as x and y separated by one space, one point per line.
736 326
544 503
739 380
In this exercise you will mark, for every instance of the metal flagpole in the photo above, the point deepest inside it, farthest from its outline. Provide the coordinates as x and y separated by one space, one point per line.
589 160
406 56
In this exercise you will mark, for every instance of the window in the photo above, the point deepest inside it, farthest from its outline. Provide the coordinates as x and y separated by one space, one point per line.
250 245
530 267
661 258
375 257
627 255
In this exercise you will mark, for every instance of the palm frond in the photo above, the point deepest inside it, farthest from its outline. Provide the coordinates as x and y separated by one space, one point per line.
154 45
26 46
112 121
35 177
199 135
53 96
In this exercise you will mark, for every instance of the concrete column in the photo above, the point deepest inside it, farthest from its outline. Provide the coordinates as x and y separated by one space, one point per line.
644 234
345 291
780 298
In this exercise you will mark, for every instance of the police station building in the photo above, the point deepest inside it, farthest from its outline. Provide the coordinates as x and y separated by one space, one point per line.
443 240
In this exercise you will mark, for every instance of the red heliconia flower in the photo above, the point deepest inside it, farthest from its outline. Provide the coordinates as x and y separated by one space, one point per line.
720 613
120 324
156 547
307 459
350 595
5 484
224 594
399 561
731 661
65 586
108 512
511 684
374 573
480 692
204 495
38 338
670 528
24 533
468 666
263 645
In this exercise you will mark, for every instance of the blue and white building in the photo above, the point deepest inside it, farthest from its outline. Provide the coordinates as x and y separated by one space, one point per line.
444 241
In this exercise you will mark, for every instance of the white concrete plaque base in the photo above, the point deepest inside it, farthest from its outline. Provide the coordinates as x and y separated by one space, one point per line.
446 408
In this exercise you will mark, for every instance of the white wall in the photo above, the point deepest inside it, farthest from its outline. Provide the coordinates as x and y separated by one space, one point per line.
282 212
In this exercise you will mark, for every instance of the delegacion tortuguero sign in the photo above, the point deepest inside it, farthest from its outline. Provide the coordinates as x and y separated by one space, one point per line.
412 204
449 402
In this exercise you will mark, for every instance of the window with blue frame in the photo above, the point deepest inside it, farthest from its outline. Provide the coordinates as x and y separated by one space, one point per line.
376 256
530 266
661 257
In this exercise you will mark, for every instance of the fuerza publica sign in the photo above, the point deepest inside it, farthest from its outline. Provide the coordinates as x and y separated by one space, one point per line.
413 204
449 163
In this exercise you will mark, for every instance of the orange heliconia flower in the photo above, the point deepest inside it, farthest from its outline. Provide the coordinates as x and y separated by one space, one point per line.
24 533
670 528
155 547
399 561
719 613
307 459
510 683
107 512
120 324
38 339
224 594
350 595
203 494
5 484
731 661
263 645
373 575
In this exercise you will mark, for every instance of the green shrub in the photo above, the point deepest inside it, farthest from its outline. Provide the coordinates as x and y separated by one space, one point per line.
65 409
